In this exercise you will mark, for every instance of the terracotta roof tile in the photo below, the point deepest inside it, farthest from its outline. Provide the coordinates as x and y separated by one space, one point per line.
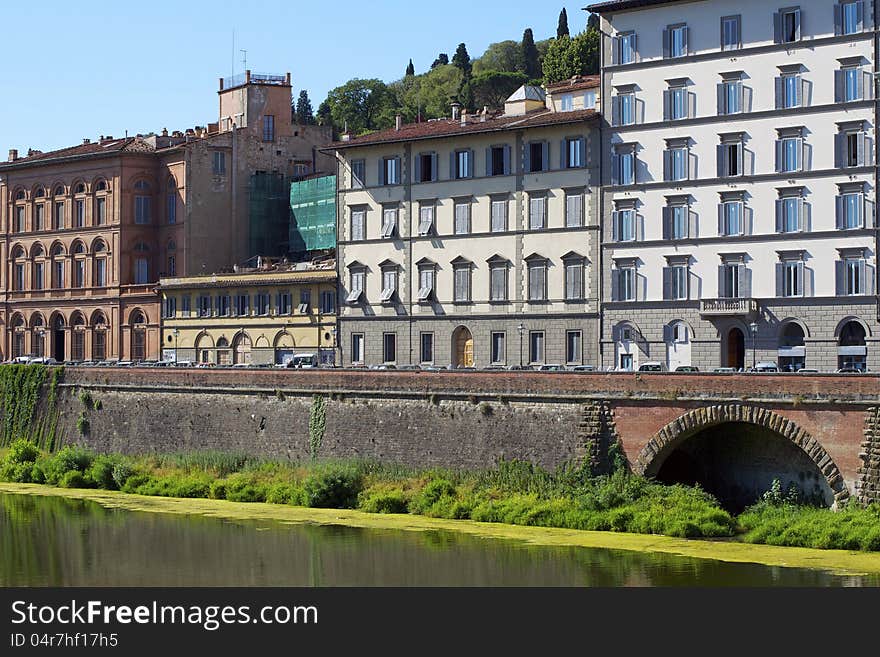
126 144
619 5
449 128
585 82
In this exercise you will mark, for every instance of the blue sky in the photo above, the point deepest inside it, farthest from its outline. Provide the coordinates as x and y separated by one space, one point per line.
83 69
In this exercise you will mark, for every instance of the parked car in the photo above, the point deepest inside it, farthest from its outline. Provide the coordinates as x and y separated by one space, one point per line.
434 368
687 368
514 368
725 370
551 367
765 366
806 370
303 361
583 368
652 367
42 360
410 367
849 370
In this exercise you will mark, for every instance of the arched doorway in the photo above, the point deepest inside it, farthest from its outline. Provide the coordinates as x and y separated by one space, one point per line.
735 452
138 336
78 337
38 336
99 336
58 338
852 349
242 349
224 355
735 355
792 354
18 335
678 345
463 347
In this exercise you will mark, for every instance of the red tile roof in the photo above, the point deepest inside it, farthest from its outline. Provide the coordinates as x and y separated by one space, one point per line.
93 149
620 5
448 128
575 84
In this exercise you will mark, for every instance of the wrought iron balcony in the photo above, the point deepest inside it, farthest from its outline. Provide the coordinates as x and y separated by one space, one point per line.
728 307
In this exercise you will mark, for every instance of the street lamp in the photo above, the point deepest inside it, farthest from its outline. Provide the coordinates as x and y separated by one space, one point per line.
176 335
754 329
522 331
333 331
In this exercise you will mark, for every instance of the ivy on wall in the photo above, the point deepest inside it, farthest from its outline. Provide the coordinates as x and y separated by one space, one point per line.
22 388
317 423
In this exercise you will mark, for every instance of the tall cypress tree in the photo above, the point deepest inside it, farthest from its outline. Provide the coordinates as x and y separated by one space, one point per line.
410 70
303 114
562 26
529 60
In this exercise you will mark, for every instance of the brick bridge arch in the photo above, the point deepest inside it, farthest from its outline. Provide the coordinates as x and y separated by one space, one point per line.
661 445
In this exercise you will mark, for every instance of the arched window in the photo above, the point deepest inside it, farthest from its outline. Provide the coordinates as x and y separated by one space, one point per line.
142 203
172 245
80 188
20 195
79 248
58 250
142 186
171 200
39 192
792 354
98 319
18 336
140 247
852 348
137 317
37 251
38 337
59 191
101 186
99 247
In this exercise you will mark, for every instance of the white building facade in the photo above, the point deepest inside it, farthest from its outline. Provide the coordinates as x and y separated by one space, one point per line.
472 241
739 184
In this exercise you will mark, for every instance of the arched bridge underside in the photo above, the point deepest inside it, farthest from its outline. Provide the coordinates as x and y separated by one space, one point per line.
735 451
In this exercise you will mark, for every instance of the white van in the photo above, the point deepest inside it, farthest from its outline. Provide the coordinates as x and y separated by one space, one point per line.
303 361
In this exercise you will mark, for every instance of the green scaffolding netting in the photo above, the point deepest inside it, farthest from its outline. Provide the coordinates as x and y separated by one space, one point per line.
268 214
313 214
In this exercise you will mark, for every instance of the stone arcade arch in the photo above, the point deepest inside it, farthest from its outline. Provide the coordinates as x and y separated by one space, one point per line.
795 448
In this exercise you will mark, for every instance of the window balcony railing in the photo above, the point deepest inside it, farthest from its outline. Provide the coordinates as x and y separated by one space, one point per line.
728 307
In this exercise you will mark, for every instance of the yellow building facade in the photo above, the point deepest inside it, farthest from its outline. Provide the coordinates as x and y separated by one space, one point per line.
263 316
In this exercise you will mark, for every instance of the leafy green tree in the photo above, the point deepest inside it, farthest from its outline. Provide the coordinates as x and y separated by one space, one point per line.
323 116
410 69
303 114
361 106
442 60
562 26
428 96
492 88
568 57
462 60
502 56
529 59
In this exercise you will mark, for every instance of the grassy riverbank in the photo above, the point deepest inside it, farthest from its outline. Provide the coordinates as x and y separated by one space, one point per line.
513 493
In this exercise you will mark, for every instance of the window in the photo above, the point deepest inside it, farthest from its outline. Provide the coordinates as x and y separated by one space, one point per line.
538 156
461 273
262 303
100 272
19 219
499 216
730 218
790 278
389 347
463 164
389 284
172 266
731 35
676 220
623 283
358 225
101 210
574 210
787 25
19 276
789 90
427 273
170 307
537 212
462 218
389 171
79 213
731 96
171 206
566 103
328 302
851 207
623 108
59 215
853 148
58 274
626 48
537 271
675 281
574 279
358 173
536 347
224 305
678 103
142 209
426 167
204 306
497 355
789 212
573 352
498 281
284 303
426 218
675 42
852 276
623 225
426 348
573 153
141 271
498 161
357 285
851 83
589 99
185 305
623 165
79 273
357 347
389 222
731 152
675 162
849 17
39 211
39 276
219 163
733 281
789 153
268 127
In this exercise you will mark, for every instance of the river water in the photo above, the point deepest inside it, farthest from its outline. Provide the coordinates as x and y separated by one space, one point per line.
53 541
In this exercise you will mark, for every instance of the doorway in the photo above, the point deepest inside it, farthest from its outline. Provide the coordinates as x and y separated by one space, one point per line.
58 339
736 349
463 347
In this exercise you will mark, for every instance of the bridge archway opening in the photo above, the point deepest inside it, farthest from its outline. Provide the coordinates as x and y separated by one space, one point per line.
738 461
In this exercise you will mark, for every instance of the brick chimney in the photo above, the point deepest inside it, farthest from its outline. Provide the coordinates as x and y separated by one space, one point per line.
13 154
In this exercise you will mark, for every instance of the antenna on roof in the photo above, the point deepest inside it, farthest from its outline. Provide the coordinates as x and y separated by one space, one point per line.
243 58
232 73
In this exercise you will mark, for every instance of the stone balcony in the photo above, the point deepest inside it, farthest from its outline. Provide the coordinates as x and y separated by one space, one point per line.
728 307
